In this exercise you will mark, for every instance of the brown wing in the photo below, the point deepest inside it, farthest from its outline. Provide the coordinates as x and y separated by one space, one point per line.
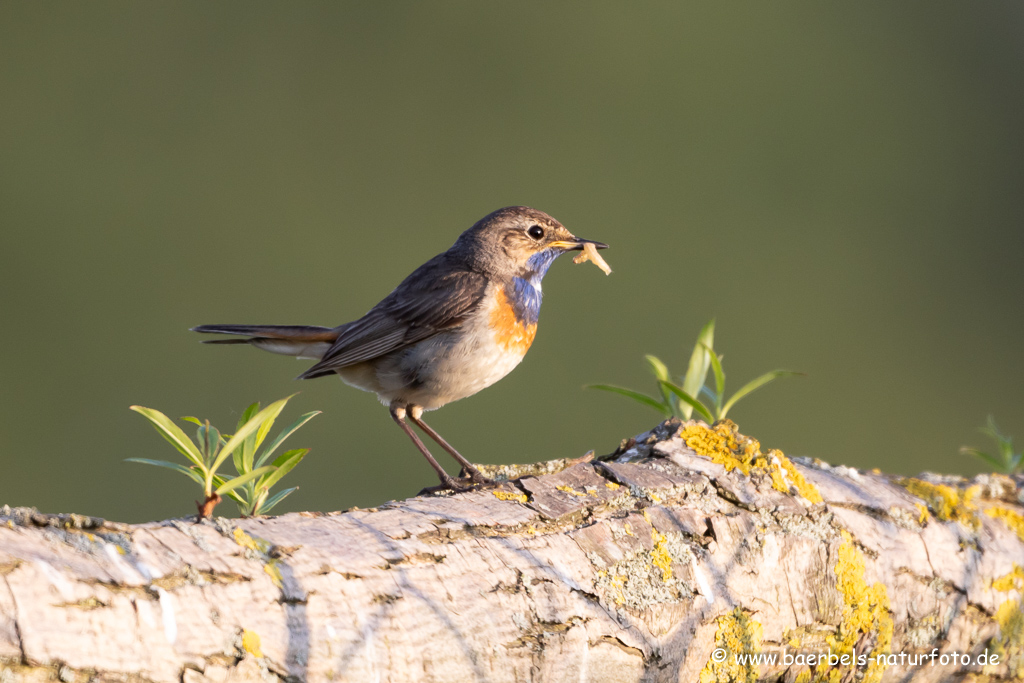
435 297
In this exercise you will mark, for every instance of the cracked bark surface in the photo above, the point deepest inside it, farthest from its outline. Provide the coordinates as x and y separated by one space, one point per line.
634 567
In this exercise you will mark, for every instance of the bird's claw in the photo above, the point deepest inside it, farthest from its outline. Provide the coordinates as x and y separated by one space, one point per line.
460 485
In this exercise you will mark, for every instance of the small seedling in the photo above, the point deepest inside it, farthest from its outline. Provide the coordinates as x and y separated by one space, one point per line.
1006 461
681 400
253 497
211 449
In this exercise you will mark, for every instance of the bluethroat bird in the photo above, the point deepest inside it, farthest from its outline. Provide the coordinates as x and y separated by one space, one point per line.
459 323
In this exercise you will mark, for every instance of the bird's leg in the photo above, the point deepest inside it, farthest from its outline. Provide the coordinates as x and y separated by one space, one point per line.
398 415
415 413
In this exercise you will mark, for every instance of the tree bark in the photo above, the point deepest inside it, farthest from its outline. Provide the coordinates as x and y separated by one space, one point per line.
641 566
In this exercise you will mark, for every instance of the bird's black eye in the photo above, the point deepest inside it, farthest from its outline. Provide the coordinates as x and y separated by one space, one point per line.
535 232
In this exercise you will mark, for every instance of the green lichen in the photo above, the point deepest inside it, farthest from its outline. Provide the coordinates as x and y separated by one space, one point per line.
723 444
737 634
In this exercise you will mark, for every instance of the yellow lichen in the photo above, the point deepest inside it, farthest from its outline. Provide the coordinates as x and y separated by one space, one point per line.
251 643
612 485
660 557
628 529
946 502
1011 518
723 444
802 486
737 634
570 490
865 610
1014 581
508 495
271 570
1009 644
245 540
923 515
262 547
618 582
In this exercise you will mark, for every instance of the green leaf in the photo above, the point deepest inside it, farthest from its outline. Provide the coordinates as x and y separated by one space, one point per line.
284 464
690 401
233 494
274 500
754 384
251 425
635 395
661 373
659 369
242 457
187 471
172 433
1015 462
193 420
716 366
992 460
238 481
284 435
248 414
209 440
697 371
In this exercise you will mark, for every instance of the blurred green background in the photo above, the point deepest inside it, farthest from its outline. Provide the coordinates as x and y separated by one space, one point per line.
840 184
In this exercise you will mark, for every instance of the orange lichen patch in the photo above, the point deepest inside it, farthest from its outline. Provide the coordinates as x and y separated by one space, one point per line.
946 502
723 444
1011 518
511 334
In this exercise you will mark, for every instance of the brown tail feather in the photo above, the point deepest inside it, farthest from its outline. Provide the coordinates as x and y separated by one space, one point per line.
309 333
301 341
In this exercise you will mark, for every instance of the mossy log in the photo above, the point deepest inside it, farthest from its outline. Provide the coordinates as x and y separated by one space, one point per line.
645 565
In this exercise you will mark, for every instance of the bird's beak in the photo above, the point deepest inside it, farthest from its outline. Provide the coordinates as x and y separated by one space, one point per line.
576 244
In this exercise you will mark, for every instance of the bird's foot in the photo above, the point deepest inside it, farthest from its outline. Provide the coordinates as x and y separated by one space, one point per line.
474 475
460 485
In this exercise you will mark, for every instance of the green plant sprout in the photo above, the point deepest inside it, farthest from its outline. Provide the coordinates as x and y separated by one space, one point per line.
211 449
253 497
1007 461
681 400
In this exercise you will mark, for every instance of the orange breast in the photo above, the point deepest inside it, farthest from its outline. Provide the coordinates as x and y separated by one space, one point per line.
511 334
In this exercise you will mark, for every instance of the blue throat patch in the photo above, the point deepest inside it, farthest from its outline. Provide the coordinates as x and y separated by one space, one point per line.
525 296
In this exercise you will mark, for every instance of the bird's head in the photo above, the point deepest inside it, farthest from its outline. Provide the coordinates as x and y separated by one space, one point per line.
519 241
